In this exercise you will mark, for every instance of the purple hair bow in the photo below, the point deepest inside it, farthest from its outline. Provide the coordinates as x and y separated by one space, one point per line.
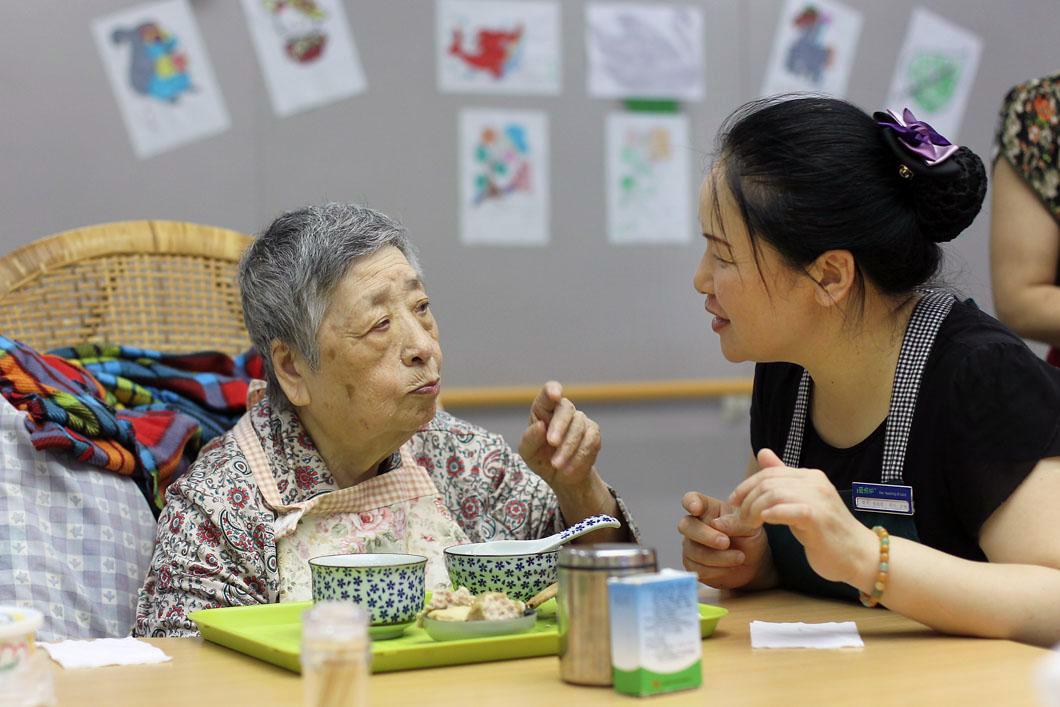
917 136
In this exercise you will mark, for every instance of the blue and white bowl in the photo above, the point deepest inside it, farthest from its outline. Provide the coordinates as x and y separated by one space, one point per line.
390 586
518 576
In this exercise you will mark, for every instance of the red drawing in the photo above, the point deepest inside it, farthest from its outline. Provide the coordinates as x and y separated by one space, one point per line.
496 51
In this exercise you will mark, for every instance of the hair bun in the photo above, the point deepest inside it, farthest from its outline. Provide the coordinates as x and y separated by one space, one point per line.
947 204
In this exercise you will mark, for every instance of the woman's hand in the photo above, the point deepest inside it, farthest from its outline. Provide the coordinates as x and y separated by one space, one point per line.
720 548
838 546
561 443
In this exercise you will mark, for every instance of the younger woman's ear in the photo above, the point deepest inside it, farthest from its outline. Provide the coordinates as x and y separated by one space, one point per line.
835 273
290 368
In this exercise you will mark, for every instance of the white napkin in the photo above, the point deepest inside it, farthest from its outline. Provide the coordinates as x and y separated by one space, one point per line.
799 635
103 651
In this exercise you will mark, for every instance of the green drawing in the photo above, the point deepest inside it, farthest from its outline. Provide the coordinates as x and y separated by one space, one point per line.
933 80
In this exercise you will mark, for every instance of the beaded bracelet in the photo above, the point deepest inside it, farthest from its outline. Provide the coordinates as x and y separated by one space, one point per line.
881 576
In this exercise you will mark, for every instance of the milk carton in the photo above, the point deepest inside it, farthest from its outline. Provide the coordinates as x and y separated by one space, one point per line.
655 639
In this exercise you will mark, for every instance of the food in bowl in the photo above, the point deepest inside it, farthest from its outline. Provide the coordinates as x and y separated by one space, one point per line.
449 605
391 586
455 615
461 605
518 576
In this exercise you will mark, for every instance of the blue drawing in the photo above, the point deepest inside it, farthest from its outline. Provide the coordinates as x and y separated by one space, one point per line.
157 68
808 56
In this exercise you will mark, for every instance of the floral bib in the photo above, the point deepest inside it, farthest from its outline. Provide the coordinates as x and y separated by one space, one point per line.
399 511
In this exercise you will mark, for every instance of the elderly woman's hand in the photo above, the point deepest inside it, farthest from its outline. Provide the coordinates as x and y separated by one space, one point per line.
561 443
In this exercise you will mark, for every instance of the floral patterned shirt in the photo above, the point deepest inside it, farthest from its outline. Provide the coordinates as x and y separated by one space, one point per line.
1028 137
215 543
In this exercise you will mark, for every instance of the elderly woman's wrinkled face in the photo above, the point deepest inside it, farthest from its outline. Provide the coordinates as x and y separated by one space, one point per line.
380 362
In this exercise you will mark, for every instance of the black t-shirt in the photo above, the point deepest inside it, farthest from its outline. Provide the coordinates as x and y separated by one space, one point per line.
988 410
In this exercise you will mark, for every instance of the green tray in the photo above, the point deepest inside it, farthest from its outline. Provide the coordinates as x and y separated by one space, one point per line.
272 632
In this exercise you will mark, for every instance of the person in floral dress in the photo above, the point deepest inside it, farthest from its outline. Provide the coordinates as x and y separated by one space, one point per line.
343 449
1025 220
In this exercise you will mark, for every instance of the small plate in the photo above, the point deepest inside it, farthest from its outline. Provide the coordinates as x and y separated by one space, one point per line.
456 630
382 633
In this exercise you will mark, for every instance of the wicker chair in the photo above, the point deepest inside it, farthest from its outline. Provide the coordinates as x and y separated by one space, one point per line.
153 284
163 285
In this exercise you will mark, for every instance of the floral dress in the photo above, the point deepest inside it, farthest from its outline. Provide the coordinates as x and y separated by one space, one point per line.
220 543
1028 136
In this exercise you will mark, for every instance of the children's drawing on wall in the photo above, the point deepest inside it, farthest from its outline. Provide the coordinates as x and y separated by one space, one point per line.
503 178
498 46
648 179
501 163
497 52
300 27
644 51
161 76
306 52
814 48
158 67
932 78
807 55
935 72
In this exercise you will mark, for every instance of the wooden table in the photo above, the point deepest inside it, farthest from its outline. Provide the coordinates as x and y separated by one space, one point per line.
902 663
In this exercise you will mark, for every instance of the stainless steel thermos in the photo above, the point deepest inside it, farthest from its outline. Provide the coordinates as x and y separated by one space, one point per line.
584 631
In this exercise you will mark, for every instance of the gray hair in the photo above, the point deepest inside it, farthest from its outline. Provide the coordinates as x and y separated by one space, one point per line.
288 275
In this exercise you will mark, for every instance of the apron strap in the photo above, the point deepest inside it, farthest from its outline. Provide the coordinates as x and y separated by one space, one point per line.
793 448
405 484
924 325
408 482
250 445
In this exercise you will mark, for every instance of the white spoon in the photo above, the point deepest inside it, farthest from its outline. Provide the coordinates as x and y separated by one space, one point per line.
533 547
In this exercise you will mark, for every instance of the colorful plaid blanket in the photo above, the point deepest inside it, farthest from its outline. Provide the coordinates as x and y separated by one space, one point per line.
137 412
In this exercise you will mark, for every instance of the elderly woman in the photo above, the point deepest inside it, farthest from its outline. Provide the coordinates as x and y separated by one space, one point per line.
346 450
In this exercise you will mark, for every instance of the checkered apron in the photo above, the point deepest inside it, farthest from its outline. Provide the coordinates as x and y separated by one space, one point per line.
399 511
788 554
924 324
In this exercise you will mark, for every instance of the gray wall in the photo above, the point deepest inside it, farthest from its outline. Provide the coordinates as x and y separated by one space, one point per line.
578 310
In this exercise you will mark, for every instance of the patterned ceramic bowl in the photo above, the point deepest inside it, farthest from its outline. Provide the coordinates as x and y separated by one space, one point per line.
518 576
390 586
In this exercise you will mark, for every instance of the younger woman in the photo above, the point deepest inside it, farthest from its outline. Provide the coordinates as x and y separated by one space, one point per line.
872 392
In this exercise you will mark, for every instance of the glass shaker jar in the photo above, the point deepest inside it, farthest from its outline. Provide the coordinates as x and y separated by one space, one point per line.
336 653
584 630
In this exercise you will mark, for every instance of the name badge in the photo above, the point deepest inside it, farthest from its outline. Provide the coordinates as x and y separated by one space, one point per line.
883 498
